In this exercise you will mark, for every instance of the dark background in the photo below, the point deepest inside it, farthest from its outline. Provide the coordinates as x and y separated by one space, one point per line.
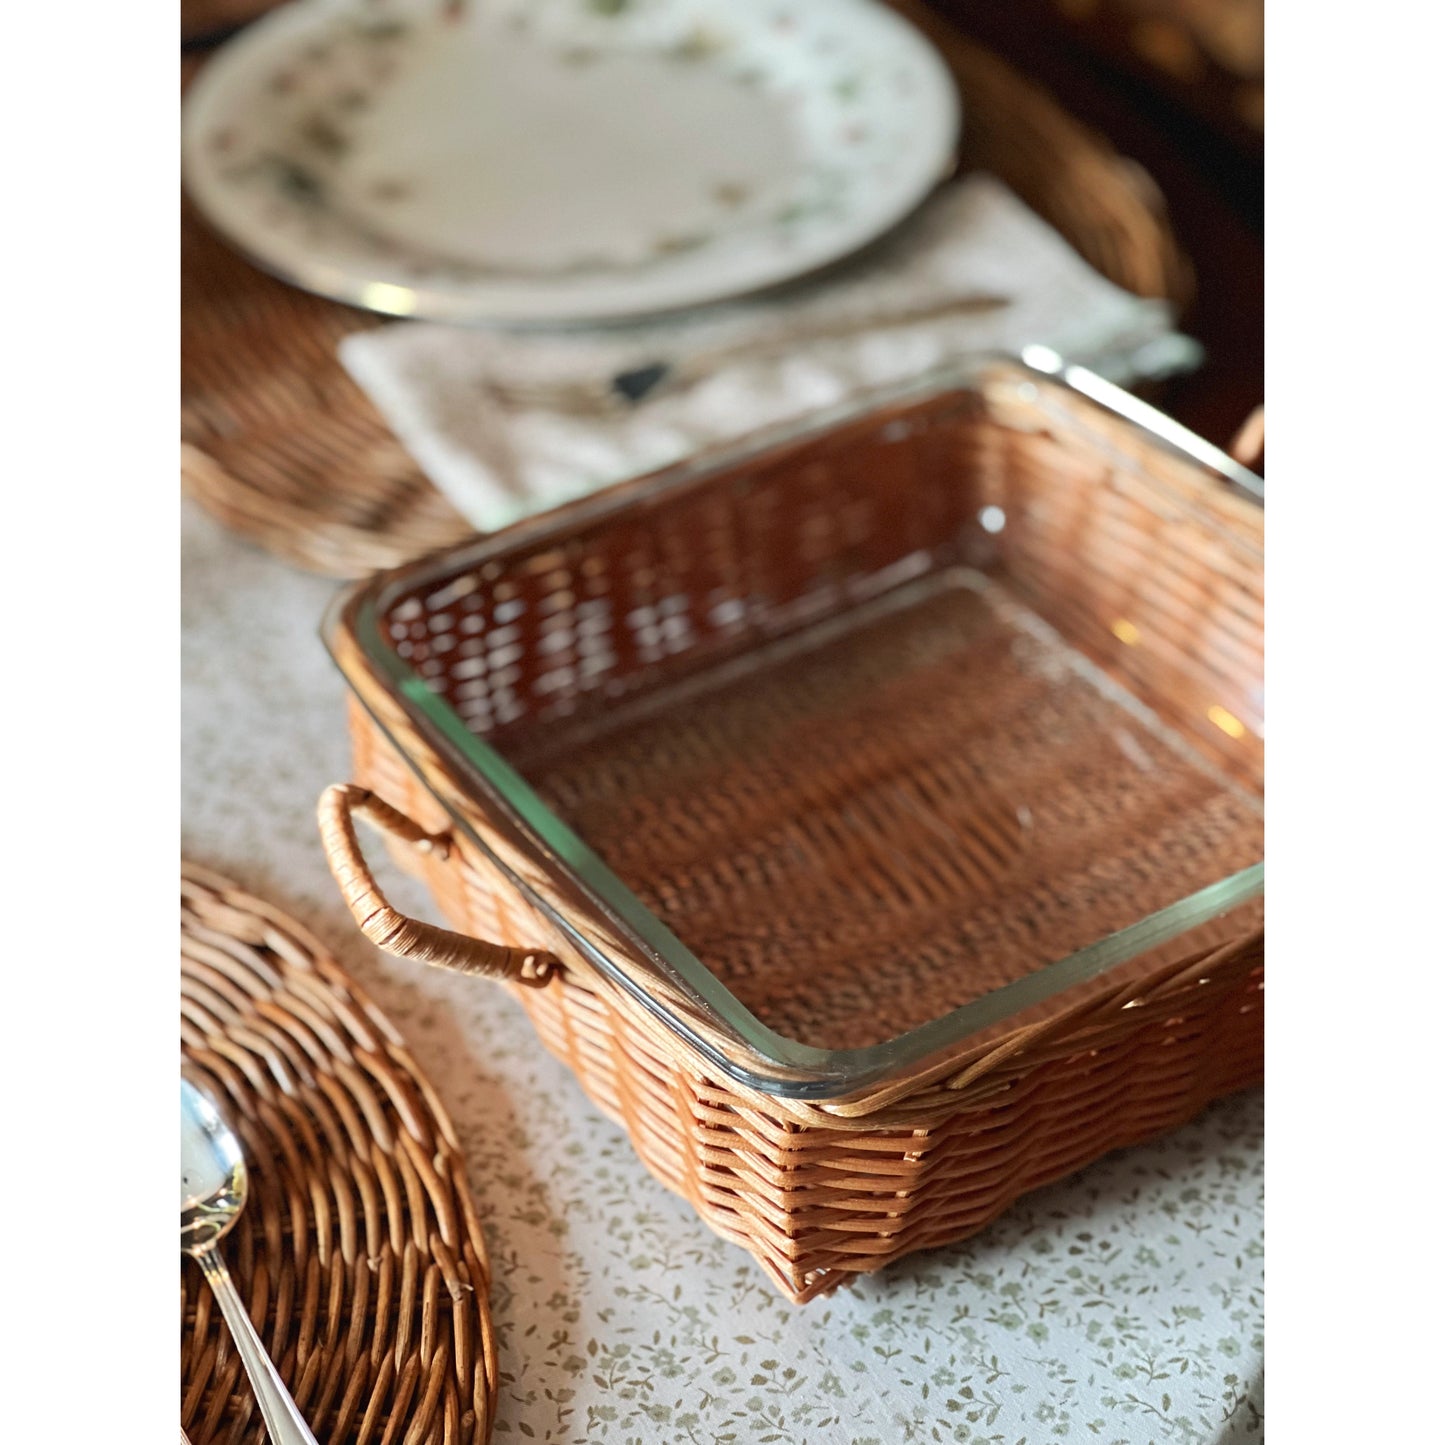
1212 177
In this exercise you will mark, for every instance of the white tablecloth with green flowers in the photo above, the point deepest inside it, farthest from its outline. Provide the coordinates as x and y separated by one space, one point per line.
1124 1304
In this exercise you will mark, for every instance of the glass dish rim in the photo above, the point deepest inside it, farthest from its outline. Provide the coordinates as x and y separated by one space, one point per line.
778 1064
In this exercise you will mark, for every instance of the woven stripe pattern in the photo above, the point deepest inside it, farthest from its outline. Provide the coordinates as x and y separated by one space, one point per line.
359 1252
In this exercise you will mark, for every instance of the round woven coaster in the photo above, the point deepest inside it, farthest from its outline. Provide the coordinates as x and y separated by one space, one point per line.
280 444
359 1252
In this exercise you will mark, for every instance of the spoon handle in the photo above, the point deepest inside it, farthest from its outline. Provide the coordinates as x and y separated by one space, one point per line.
278 1409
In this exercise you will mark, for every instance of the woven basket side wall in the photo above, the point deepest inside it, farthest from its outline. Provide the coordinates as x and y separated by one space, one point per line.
816 1202
1148 568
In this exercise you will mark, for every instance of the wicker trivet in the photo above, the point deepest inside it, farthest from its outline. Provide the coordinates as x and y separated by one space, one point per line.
281 445
359 1251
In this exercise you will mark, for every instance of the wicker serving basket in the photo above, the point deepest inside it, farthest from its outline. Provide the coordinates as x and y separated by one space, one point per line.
888 845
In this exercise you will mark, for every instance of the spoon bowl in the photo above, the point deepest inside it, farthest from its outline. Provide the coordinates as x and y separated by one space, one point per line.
213 1173
213 1194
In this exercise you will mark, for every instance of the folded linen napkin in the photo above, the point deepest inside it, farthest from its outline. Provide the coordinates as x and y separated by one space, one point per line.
503 425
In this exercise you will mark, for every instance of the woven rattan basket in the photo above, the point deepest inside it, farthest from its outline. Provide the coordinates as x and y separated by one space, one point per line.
870 819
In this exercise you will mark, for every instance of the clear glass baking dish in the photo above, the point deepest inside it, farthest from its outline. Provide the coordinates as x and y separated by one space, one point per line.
895 525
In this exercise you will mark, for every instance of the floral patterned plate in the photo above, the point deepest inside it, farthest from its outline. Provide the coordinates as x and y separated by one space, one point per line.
563 160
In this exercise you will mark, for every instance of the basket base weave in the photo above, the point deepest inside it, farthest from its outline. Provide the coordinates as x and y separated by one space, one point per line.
947 773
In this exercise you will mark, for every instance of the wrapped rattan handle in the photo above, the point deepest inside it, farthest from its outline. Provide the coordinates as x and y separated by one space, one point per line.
380 922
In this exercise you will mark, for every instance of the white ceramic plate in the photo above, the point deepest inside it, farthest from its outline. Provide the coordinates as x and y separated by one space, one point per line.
564 160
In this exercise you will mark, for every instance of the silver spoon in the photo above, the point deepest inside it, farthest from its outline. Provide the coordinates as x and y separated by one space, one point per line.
213 1193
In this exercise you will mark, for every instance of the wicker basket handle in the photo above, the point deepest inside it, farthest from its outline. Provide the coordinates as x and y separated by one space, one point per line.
380 922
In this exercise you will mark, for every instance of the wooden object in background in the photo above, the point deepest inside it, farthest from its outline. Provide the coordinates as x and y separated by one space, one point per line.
1206 54
1213 183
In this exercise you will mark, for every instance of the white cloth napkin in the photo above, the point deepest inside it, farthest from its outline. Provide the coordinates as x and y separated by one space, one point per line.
498 459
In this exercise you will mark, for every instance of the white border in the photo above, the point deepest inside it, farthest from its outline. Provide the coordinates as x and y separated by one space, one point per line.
1355 784
91 259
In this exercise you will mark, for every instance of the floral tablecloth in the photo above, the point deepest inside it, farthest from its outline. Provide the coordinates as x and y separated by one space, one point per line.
1123 1305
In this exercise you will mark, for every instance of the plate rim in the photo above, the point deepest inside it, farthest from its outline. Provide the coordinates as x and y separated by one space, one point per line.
522 301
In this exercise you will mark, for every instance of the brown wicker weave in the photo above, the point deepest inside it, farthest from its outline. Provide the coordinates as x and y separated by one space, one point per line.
734 826
1207 53
281 445
359 1251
